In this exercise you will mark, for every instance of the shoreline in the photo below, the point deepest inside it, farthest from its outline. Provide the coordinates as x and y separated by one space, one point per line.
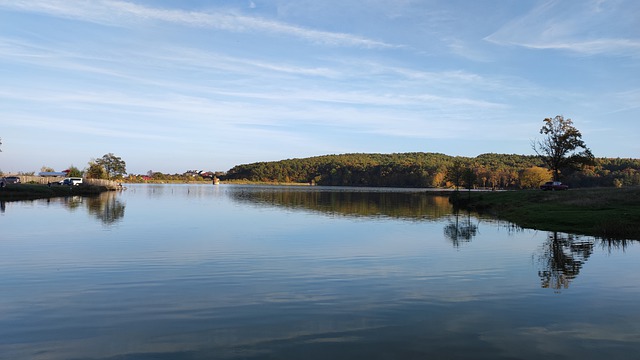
607 213
18 192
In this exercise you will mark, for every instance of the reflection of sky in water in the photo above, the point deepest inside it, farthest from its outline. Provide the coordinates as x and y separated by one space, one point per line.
192 272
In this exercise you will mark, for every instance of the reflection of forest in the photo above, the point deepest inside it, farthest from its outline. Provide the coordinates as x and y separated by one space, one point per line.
562 258
400 204
106 207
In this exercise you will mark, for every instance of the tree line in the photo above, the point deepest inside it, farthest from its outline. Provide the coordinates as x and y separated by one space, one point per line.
504 171
561 154
109 166
157 176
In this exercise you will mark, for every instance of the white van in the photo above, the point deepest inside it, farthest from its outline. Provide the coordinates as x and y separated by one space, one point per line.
71 181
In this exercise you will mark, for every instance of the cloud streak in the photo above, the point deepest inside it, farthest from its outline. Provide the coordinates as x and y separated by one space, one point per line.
291 90
586 27
120 13
590 47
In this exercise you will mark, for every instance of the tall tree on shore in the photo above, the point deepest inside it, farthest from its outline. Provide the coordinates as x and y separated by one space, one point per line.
455 173
559 148
113 165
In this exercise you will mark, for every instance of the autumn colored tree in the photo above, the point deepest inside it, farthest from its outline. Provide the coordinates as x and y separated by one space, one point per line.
534 176
559 148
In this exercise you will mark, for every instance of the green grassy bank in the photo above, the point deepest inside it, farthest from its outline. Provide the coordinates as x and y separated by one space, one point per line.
14 192
609 213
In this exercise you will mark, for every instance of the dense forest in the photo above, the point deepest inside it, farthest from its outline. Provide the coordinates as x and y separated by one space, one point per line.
504 171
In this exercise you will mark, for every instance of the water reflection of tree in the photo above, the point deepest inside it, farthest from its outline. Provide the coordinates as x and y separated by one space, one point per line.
106 207
615 244
72 202
459 230
562 259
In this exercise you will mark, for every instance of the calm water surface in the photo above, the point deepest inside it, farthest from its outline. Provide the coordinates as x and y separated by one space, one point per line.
250 272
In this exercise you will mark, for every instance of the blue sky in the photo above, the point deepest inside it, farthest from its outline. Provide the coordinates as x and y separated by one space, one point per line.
176 85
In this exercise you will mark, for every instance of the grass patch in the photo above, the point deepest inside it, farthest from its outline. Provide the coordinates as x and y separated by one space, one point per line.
608 213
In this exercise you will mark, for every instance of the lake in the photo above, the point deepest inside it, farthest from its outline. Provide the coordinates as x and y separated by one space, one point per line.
259 272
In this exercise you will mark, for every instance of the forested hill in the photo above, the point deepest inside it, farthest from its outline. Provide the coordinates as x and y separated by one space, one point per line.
432 170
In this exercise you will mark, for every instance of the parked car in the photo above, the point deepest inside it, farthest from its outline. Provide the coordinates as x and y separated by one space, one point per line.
71 181
12 180
554 185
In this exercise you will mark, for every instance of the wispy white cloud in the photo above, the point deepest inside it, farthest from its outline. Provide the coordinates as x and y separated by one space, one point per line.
122 13
465 50
56 124
190 57
246 114
52 56
128 62
587 27
403 87
589 47
622 101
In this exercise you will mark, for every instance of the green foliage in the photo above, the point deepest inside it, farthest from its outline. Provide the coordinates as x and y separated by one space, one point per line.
504 171
470 177
398 170
455 173
156 176
96 171
407 170
74 171
113 165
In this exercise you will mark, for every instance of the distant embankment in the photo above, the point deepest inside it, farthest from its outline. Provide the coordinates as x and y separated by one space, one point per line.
109 184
